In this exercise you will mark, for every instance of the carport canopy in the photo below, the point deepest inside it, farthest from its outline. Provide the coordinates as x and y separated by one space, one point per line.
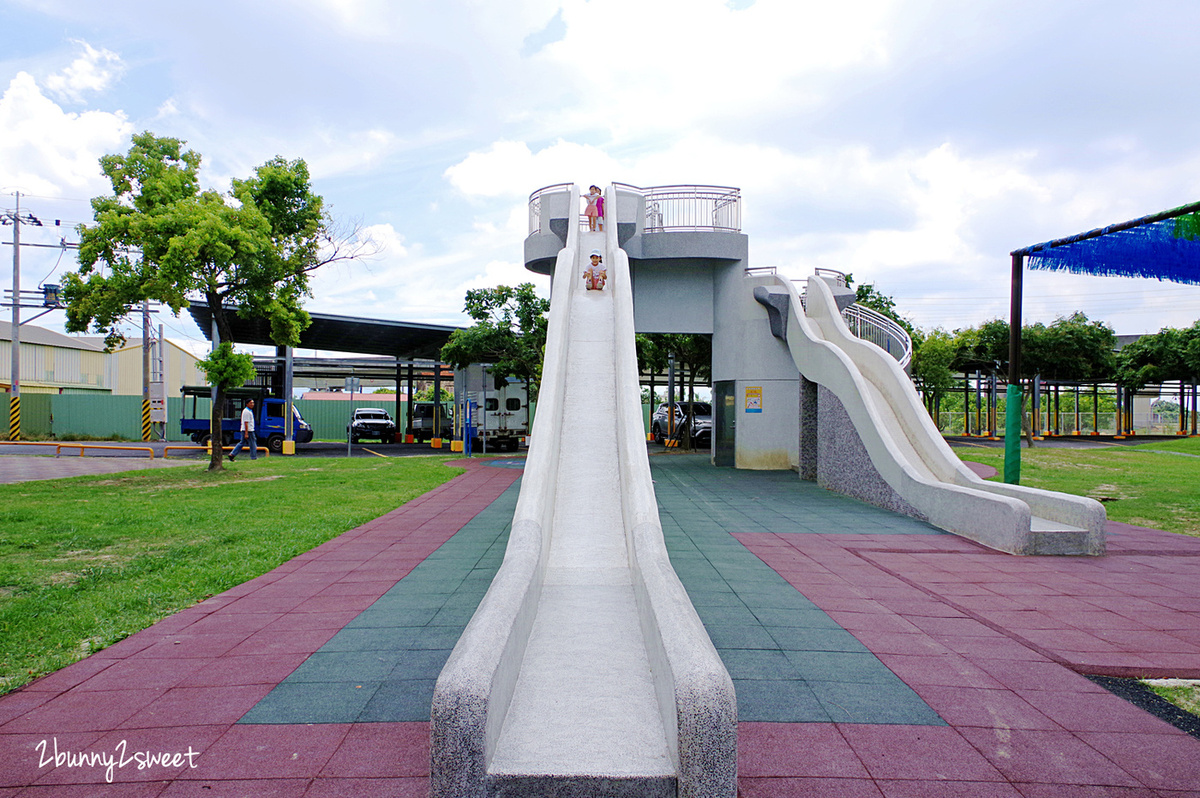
402 340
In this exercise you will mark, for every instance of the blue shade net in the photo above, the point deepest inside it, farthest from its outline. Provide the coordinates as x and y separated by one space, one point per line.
1164 250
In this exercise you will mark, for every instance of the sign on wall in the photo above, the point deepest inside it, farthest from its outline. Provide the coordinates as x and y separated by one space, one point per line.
754 399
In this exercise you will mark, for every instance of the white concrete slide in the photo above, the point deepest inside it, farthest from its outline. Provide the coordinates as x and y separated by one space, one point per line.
586 671
909 452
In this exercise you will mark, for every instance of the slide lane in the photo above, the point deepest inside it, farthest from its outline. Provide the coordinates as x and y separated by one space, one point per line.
585 670
909 452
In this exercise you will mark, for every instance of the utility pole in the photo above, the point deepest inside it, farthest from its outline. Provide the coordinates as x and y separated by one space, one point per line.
14 391
14 402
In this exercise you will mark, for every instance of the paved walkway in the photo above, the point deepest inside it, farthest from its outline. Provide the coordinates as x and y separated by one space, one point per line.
873 656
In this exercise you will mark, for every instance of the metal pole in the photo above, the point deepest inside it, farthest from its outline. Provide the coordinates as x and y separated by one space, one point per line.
289 431
1012 420
145 369
14 395
671 395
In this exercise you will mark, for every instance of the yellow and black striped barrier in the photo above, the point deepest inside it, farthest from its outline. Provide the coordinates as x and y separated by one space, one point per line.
145 419
14 418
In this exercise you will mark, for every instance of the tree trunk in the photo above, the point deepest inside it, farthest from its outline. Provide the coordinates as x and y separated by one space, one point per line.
215 431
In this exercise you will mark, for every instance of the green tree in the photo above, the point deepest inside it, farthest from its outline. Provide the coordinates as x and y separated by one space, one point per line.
931 367
868 296
693 354
509 333
1169 354
1071 349
159 237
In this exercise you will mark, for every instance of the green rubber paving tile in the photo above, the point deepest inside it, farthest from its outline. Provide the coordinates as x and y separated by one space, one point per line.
381 667
789 701
789 661
873 703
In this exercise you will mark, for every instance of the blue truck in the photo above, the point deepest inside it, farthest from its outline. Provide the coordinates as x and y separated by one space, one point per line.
268 417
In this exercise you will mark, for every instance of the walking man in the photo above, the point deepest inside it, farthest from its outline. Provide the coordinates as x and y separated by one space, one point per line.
248 438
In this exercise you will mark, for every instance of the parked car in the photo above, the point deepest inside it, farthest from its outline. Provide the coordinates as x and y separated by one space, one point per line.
371 422
423 421
701 431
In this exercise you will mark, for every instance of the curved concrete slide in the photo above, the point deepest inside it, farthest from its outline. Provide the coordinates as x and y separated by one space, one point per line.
586 671
909 452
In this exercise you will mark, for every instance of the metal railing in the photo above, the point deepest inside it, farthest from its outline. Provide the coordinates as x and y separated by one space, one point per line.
877 328
535 204
868 324
668 208
674 208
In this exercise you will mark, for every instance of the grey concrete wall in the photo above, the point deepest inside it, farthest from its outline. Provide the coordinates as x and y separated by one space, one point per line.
672 296
745 351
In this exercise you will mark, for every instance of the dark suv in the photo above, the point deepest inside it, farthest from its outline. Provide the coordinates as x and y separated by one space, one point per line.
372 422
701 423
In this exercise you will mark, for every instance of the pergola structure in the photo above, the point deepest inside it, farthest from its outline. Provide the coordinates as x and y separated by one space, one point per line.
415 347
1164 246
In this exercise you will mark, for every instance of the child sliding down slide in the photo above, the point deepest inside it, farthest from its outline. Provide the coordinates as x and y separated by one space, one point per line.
596 274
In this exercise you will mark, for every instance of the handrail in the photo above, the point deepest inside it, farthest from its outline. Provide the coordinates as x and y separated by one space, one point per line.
667 208
535 203
690 207
184 448
869 325
81 446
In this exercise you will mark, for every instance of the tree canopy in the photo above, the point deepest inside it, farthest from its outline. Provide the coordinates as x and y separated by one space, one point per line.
509 333
159 237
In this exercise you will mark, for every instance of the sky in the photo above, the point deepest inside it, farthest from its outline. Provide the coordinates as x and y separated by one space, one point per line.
911 143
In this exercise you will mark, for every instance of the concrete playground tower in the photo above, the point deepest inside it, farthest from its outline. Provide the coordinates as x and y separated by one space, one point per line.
794 386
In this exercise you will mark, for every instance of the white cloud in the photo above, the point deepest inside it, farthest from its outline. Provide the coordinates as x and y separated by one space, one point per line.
511 168
47 151
93 71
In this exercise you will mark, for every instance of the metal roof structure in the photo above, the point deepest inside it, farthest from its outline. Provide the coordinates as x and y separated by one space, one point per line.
399 339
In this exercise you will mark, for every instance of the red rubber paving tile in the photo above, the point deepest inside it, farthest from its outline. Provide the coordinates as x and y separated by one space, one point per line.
368 788
1021 676
79 711
296 641
1167 761
808 788
916 644
1096 791
1025 755
257 751
239 788
925 788
911 752
23 755
951 670
142 672
191 706
136 790
984 708
64 679
269 669
382 750
186 645
796 749
143 755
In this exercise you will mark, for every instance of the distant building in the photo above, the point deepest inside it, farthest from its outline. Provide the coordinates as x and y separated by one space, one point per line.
58 364
52 362
124 374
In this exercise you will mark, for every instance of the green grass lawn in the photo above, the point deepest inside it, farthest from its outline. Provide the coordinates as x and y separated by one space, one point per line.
85 562
1154 484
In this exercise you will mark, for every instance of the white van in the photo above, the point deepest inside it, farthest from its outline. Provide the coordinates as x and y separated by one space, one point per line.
500 411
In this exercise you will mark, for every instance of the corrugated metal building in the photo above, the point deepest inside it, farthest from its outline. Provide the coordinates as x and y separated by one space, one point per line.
52 362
